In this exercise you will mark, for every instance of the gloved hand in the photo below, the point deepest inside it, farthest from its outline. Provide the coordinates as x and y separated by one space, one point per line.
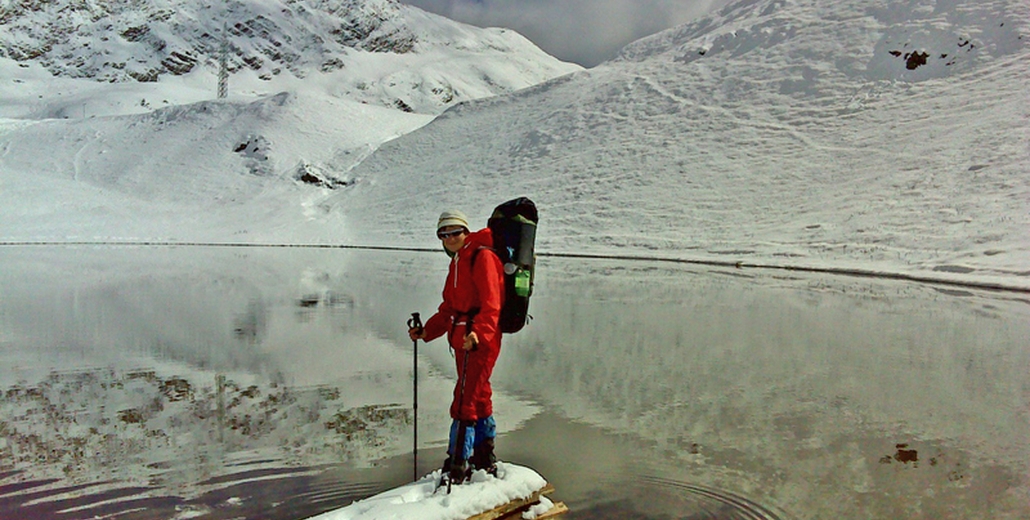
471 341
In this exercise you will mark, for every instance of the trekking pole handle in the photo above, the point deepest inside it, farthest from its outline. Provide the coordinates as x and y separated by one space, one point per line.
415 322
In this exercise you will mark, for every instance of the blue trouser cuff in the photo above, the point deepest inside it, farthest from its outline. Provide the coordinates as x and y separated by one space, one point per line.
474 434
464 433
485 429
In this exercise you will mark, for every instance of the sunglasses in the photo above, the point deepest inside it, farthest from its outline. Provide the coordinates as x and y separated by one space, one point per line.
448 234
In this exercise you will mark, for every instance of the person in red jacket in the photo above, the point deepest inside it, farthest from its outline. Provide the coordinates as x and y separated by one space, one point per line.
472 298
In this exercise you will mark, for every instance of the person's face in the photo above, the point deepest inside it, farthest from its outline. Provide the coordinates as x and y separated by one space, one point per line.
453 237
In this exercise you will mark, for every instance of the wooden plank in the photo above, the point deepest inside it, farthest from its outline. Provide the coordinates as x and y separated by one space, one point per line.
507 509
559 509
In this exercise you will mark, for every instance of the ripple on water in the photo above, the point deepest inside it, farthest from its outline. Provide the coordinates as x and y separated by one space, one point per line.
267 493
657 498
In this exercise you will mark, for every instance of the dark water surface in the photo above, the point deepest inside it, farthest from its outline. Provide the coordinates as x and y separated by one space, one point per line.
160 383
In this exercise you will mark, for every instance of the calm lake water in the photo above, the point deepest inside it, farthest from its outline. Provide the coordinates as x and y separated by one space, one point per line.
275 384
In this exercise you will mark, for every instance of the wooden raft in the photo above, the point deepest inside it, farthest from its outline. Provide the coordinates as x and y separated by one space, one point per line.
515 508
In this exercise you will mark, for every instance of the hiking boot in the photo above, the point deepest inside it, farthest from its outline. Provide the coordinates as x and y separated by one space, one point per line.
459 471
483 457
445 475
454 474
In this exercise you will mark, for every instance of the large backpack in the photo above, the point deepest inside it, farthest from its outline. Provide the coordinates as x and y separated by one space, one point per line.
513 225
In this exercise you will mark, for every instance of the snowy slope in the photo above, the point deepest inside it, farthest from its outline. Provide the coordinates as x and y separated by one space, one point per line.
777 132
84 159
787 133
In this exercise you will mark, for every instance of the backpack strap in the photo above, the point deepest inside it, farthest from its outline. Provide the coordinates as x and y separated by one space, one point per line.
471 314
475 253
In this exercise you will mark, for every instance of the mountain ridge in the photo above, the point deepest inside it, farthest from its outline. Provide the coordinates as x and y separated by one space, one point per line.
146 40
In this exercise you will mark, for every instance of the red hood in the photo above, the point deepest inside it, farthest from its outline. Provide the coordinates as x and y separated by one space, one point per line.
482 238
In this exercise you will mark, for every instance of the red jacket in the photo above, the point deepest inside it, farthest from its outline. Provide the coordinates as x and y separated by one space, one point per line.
474 289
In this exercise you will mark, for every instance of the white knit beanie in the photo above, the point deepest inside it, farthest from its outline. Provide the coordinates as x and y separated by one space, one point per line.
452 217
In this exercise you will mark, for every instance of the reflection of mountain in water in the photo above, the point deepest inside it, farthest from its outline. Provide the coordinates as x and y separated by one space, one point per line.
140 425
835 397
184 362
88 412
157 371
805 381
211 317
211 323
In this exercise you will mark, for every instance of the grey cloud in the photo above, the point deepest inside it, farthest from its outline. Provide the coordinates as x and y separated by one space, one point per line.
582 31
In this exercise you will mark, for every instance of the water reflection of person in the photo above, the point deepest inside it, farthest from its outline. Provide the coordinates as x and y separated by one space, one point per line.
472 298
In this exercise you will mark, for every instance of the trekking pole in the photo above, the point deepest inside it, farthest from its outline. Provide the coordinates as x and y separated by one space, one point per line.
459 443
415 323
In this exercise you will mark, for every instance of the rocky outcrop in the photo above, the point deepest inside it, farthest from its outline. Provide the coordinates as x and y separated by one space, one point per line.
141 40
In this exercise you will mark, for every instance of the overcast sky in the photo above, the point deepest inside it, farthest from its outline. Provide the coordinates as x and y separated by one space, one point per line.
581 31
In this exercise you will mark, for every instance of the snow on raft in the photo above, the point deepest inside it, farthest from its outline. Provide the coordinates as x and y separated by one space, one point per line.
516 492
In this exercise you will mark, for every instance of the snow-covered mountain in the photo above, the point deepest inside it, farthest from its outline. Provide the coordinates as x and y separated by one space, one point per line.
853 134
151 40
783 132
